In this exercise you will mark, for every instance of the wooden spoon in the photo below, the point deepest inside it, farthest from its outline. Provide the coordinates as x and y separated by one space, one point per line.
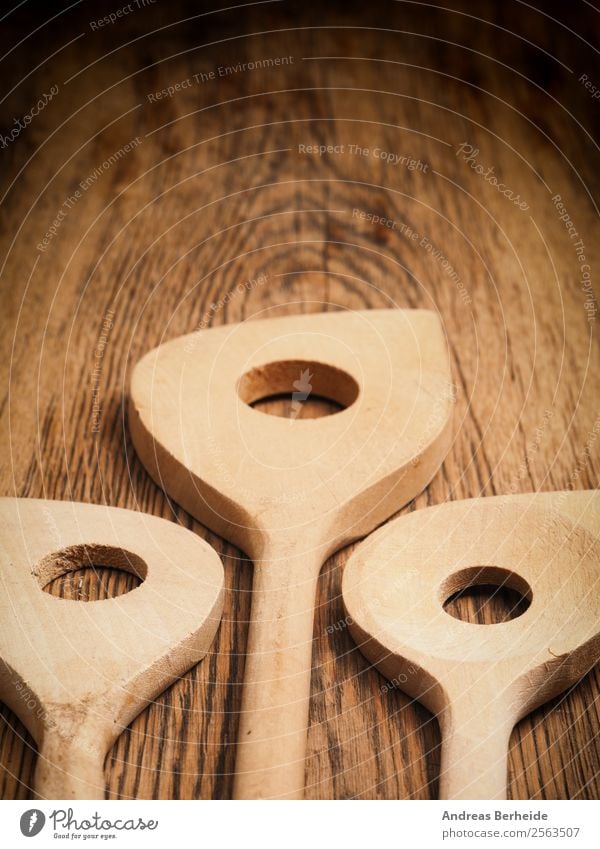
291 492
480 679
76 673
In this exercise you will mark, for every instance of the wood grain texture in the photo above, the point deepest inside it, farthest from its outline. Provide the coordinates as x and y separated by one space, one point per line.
217 193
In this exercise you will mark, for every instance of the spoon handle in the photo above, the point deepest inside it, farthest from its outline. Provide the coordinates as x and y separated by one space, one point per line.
70 769
274 718
474 761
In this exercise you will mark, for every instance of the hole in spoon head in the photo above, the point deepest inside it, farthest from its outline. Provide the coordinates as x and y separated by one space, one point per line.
485 595
90 572
298 389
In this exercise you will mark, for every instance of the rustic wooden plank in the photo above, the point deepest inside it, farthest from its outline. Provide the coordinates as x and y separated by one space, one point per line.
217 193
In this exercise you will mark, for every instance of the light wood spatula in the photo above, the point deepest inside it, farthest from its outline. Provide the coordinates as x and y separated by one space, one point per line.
291 492
76 673
480 679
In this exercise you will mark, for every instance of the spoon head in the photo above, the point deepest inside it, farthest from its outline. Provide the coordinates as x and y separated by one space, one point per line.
546 546
247 474
65 662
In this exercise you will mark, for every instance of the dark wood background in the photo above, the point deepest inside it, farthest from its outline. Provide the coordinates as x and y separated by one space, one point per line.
217 193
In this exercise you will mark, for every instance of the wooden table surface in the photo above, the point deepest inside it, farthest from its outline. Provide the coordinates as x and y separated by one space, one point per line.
130 217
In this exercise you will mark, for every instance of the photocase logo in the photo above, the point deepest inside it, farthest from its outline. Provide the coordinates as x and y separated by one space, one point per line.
32 822
303 389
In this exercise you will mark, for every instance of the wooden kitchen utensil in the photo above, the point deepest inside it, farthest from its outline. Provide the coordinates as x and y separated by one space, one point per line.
480 679
76 673
287 492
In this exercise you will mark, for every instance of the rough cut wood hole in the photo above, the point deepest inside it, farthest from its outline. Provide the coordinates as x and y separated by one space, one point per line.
296 385
92 583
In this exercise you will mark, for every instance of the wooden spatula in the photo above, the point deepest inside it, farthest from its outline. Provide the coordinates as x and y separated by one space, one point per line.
290 492
480 679
76 673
